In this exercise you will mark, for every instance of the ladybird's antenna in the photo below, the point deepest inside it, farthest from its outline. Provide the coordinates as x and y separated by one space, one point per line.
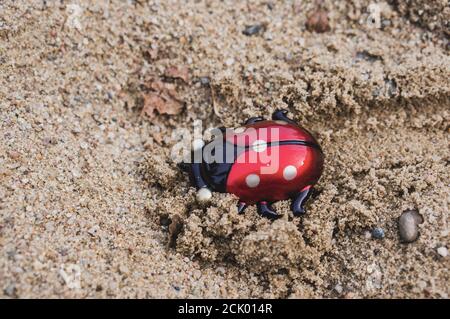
254 120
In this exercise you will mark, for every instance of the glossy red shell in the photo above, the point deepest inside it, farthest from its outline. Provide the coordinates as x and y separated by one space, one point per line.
273 172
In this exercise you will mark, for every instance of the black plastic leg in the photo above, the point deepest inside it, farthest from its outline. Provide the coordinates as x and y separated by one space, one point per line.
265 210
197 176
280 115
298 203
241 206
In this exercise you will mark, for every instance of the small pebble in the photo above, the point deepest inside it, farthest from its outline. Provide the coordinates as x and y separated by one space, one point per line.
204 80
14 155
229 61
378 233
385 23
220 270
391 86
203 194
422 284
76 130
50 141
442 251
318 21
338 289
252 29
367 56
113 286
408 226
94 230
10 291
50 226
124 270
84 145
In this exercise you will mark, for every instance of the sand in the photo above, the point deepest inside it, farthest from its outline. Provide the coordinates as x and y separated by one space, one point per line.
92 204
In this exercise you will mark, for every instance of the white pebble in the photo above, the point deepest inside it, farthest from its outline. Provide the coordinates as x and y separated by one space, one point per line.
229 62
84 145
338 289
408 226
203 194
442 251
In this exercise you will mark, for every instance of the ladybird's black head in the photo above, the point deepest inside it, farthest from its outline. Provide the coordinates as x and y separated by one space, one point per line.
211 168
211 164
218 158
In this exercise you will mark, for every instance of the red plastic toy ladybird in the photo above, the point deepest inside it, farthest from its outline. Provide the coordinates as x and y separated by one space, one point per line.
262 162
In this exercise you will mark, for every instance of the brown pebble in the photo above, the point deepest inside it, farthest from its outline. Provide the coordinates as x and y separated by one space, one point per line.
14 155
408 225
318 21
